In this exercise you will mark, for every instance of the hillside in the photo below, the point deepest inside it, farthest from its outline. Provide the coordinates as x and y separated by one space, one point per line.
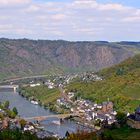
24 57
123 68
39 93
121 85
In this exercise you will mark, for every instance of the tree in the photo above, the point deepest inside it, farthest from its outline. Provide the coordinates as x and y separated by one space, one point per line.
121 117
67 134
120 71
1 115
43 82
82 135
6 104
15 110
97 122
22 123
11 114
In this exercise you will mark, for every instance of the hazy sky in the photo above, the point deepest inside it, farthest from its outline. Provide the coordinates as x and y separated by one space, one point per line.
111 20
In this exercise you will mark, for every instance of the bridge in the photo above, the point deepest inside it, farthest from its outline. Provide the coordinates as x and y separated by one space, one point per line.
15 87
60 116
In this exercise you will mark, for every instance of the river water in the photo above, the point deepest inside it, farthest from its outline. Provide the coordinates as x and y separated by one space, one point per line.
27 109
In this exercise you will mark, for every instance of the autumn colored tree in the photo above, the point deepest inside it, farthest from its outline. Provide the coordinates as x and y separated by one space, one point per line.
82 135
22 123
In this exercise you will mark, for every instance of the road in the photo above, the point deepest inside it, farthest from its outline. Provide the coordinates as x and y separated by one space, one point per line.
23 78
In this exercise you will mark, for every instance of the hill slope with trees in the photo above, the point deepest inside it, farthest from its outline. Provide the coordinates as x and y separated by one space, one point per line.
121 84
23 57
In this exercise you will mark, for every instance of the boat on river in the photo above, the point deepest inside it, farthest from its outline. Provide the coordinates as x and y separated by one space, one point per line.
34 102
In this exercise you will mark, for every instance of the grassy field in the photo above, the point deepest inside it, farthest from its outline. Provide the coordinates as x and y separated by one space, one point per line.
41 93
123 133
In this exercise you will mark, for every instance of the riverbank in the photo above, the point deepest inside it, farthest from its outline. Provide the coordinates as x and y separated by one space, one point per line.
44 96
41 93
52 106
27 109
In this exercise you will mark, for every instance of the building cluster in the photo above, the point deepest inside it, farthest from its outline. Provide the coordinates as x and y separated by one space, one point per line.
90 111
38 130
50 84
6 120
62 80
19 123
90 76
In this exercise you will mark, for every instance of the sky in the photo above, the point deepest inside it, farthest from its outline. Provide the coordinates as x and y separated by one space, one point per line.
73 20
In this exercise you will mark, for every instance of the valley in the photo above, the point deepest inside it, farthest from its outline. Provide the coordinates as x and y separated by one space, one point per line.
24 57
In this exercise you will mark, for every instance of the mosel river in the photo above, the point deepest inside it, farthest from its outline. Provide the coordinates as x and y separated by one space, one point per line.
27 109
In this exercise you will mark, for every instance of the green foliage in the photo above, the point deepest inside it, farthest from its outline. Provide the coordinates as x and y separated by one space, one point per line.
121 85
16 134
121 117
97 122
123 133
22 123
82 135
15 110
124 67
11 114
6 105
41 94
1 115
120 71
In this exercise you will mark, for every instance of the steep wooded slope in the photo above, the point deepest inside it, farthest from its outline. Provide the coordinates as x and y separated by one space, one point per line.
30 57
121 84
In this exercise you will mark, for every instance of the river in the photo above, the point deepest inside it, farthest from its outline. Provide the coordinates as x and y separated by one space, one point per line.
27 109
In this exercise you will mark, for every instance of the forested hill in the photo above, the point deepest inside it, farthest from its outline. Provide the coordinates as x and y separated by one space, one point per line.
121 84
123 68
24 57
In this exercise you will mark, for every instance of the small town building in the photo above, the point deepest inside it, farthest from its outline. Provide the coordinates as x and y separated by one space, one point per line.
137 114
134 119
107 106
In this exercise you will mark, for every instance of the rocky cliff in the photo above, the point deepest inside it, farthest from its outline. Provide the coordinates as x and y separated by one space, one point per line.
29 57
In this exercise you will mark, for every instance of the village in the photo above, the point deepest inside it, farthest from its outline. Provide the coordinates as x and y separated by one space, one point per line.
90 112
62 80
91 115
9 119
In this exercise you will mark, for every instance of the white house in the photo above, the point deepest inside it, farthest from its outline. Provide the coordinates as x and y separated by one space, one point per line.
34 85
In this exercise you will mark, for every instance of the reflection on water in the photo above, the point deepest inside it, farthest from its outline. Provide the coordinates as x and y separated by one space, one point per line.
6 90
61 129
27 109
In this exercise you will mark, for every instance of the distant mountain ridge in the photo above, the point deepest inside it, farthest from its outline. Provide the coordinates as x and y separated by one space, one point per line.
22 57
